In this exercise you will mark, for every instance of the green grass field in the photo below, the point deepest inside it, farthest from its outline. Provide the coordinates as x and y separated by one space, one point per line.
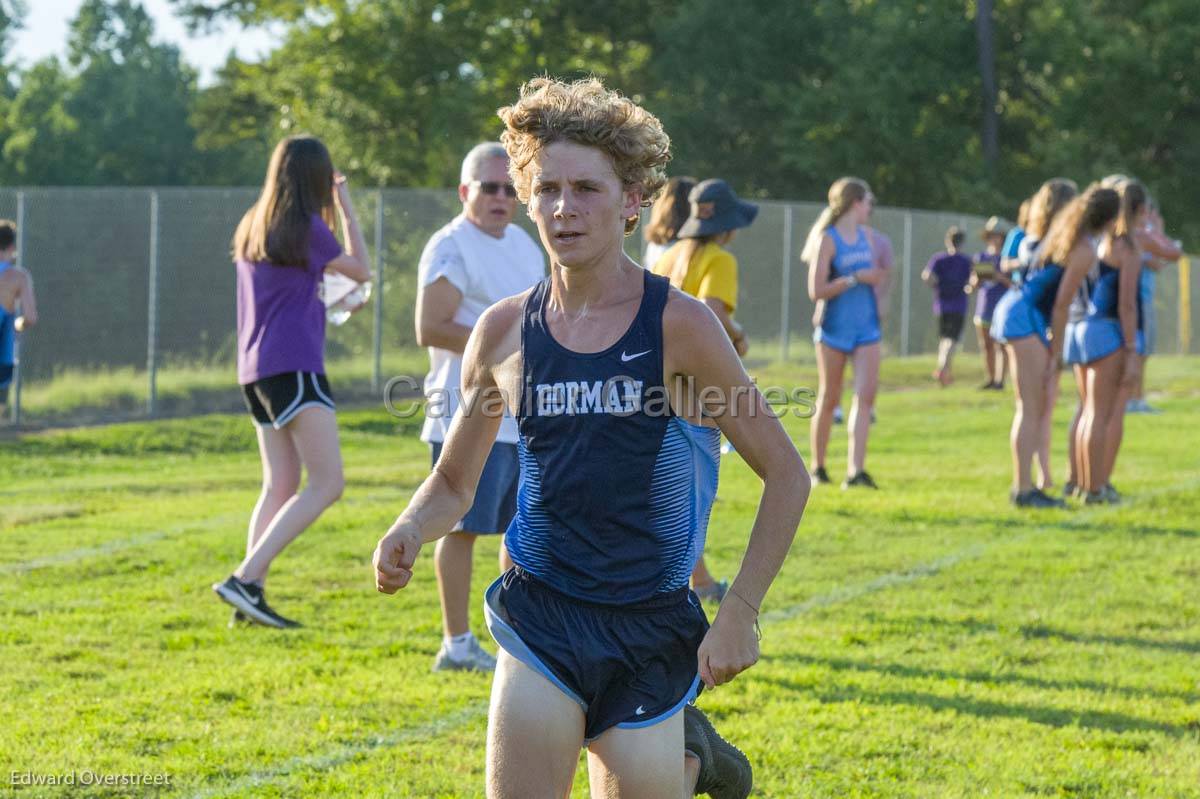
924 641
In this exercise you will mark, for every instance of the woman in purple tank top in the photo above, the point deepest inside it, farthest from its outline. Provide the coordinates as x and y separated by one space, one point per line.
283 248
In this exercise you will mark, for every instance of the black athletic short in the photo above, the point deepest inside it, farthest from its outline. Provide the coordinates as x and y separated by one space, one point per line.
6 377
626 666
276 400
950 325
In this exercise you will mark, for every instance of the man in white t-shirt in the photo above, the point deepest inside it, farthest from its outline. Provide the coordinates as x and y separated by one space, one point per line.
480 257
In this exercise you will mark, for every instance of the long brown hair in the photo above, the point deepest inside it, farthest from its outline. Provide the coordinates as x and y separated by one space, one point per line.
1051 198
299 183
1023 214
683 253
670 210
1085 215
843 194
1134 198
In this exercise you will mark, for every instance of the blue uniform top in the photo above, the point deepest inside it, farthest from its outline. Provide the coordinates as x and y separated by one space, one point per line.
615 489
1105 293
855 308
1040 287
8 335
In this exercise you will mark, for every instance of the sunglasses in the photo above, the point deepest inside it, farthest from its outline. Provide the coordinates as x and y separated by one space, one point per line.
493 188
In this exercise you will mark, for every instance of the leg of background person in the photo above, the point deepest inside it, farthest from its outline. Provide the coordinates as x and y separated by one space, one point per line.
987 348
1140 393
1115 433
1045 431
866 385
506 561
1104 378
534 735
281 479
1001 361
831 366
1027 358
945 352
641 762
452 557
1074 474
314 433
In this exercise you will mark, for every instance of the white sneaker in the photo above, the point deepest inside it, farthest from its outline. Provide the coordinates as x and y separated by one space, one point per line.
477 659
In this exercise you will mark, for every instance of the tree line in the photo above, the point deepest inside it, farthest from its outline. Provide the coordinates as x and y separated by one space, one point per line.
963 104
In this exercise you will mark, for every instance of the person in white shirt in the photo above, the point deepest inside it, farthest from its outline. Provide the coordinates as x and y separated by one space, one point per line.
480 257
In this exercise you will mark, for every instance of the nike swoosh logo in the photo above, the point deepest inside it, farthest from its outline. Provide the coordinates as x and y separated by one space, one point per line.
627 358
252 600
641 709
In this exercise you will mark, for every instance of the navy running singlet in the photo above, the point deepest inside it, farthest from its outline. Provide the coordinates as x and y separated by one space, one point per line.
615 489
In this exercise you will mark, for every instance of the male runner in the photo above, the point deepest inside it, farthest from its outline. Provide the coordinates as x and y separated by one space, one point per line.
607 370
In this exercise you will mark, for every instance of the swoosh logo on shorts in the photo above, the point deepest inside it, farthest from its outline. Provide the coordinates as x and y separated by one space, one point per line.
627 358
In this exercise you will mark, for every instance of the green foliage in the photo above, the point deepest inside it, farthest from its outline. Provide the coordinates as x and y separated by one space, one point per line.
117 113
779 97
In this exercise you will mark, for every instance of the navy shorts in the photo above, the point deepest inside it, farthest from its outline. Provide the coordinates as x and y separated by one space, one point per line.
6 376
496 497
627 666
274 401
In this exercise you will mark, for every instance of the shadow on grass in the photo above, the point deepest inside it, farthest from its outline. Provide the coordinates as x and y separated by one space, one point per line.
986 677
984 709
1042 631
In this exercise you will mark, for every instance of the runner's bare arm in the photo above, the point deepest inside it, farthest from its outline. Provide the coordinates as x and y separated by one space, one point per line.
25 295
698 348
447 494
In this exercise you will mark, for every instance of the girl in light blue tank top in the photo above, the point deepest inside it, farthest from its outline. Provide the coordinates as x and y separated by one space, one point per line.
843 278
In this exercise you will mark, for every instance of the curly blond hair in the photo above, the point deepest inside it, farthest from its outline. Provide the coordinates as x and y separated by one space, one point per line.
584 112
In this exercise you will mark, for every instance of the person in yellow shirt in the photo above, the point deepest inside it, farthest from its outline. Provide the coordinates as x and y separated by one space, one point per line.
699 265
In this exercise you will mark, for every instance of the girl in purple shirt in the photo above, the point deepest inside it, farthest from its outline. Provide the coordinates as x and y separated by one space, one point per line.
282 249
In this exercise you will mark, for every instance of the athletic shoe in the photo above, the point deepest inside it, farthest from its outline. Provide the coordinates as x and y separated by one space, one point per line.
713 593
1095 498
988 386
837 415
860 480
821 476
477 659
725 772
1111 495
1036 498
251 601
1069 490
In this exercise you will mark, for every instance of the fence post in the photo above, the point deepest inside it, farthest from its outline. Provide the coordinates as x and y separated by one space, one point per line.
152 313
377 346
906 284
785 302
16 384
1185 305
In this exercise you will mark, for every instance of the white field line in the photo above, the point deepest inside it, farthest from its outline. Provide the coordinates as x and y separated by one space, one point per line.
110 547
340 755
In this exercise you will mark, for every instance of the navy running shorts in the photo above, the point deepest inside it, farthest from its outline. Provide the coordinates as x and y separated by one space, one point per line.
626 666
496 496
274 401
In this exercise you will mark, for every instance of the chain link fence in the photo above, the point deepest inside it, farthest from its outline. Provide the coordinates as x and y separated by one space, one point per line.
137 294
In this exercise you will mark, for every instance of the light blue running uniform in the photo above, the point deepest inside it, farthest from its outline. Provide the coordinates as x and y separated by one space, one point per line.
851 319
1099 333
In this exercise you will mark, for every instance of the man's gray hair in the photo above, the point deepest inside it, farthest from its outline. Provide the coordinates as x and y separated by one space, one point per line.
479 155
